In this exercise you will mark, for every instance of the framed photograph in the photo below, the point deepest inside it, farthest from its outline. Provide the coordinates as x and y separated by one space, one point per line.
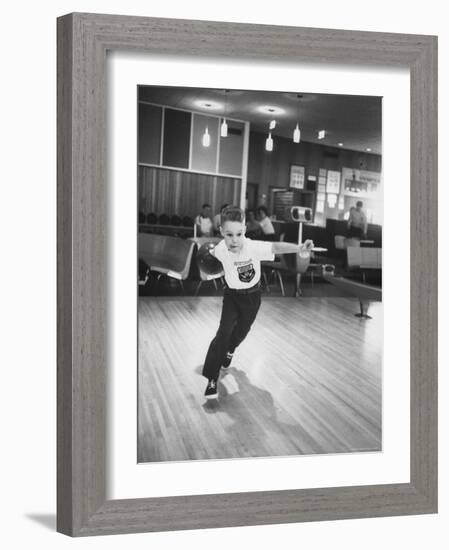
182 462
297 176
195 146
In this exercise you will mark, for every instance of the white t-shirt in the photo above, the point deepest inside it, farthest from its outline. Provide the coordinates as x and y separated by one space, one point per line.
357 218
217 221
205 225
267 226
242 270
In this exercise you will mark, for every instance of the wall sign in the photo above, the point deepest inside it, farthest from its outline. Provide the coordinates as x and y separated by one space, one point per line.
297 176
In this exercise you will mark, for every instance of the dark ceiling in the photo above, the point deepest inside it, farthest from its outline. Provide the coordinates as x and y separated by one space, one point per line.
354 121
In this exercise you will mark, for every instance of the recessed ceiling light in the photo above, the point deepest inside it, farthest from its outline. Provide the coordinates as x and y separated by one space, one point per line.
340 144
210 105
321 134
368 149
270 110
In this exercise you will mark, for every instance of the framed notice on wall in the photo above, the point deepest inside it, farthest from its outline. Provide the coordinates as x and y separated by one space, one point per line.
297 176
333 182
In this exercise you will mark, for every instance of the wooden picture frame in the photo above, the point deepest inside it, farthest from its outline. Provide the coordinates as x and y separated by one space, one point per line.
83 40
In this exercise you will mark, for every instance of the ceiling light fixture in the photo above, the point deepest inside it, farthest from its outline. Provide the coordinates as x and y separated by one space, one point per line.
206 138
271 110
272 125
297 131
321 134
224 125
209 105
340 144
269 143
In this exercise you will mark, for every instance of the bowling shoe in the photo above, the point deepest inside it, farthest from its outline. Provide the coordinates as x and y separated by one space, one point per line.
211 389
227 362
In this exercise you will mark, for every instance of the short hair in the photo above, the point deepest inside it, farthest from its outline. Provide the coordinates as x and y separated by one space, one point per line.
232 214
262 209
223 206
359 203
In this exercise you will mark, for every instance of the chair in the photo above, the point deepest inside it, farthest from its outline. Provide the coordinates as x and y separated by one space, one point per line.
170 256
340 249
176 220
164 219
364 259
340 242
204 276
276 268
144 273
299 265
187 221
151 218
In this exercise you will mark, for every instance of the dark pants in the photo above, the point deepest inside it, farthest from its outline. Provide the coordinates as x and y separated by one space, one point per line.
237 315
355 232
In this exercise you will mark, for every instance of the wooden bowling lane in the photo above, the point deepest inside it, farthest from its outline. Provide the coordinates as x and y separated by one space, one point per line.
306 380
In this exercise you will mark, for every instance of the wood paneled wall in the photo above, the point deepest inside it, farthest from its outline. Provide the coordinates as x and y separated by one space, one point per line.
174 192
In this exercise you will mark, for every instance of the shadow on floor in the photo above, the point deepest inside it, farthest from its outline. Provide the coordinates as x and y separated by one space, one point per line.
46 520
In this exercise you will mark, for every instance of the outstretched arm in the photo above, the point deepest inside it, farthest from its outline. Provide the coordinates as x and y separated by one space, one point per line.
291 248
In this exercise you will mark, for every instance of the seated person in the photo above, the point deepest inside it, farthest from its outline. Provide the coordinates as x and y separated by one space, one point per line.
265 224
203 222
217 219
253 229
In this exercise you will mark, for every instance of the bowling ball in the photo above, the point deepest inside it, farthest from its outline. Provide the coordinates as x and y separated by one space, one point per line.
206 262
328 269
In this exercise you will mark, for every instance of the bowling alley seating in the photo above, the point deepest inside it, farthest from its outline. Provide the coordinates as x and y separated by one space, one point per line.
151 218
165 255
164 219
205 273
339 255
364 259
144 273
275 268
204 277
187 221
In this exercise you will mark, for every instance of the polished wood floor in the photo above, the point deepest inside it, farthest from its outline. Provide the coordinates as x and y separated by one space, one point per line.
306 380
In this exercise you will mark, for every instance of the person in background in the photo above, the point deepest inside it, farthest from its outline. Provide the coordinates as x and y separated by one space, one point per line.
203 222
217 219
265 224
357 222
253 229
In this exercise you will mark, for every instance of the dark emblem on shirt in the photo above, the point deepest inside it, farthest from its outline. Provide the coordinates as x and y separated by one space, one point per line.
246 273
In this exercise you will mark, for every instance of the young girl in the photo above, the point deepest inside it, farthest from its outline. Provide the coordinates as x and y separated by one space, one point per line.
241 259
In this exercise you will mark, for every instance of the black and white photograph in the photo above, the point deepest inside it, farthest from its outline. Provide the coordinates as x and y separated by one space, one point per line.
260 320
